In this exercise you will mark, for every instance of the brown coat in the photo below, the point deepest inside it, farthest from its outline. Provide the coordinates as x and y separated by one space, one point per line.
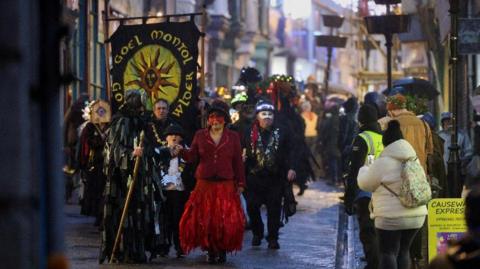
416 132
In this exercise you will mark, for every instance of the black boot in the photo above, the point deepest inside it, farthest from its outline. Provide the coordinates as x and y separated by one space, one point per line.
222 257
211 257
180 254
256 240
303 187
273 244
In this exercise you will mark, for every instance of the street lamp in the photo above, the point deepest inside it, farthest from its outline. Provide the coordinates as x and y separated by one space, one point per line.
330 41
453 158
388 25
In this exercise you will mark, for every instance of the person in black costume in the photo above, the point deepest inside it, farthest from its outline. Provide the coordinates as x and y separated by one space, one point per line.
282 92
92 143
270 162
122 149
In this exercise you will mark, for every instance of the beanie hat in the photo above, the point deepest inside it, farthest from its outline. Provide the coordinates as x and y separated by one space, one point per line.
429 119
263 105
350 105
392 134
377 100
174 129
367 114
396 101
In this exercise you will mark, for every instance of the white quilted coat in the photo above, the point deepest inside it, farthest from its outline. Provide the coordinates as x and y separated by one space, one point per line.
386 169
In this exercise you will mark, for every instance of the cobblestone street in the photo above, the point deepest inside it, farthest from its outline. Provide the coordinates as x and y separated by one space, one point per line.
309 240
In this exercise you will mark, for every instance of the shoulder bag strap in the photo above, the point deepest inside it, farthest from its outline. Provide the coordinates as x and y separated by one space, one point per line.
388 189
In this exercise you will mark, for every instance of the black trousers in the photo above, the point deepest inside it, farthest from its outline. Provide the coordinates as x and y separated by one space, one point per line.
174 206
394 248
367 233
271 197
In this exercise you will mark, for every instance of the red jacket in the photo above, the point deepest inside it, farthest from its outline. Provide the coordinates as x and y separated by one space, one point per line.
222 162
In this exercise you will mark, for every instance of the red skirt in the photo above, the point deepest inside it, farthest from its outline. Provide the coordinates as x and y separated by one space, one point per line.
213 218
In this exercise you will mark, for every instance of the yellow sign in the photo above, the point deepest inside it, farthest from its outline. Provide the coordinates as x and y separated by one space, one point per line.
159 60
446 221
154 69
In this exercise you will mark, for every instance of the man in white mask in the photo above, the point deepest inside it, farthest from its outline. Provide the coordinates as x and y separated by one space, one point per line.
270 164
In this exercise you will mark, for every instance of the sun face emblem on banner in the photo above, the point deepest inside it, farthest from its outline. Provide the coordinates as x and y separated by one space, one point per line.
155 70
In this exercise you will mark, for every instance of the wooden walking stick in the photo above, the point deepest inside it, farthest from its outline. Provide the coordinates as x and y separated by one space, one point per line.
127 200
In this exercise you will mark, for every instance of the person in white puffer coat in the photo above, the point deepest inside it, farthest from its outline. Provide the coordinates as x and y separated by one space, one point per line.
396 225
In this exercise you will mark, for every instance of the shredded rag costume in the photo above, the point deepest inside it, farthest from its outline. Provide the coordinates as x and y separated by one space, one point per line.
213 219
119 164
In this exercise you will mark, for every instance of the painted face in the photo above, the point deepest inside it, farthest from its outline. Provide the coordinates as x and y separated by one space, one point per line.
173 139
265 119
216 119
265 115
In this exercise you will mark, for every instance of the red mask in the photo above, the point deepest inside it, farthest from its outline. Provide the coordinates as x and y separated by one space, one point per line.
215 118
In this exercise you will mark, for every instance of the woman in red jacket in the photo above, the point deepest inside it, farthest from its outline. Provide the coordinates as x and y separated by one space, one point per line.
213 218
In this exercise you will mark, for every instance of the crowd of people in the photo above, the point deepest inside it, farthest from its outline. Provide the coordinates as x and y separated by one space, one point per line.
394 235
152 186
205 189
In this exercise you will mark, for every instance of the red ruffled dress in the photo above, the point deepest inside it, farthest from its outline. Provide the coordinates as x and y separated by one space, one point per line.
213 218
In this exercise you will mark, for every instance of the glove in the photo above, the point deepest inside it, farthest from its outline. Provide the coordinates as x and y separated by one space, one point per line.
349 208
349 198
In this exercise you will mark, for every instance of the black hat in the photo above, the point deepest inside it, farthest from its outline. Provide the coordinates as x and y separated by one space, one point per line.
249 75
263 105
367 114
350 105
174 129
218 106
377 100
392 134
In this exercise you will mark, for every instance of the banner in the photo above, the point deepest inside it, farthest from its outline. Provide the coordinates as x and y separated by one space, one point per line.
160 60
446 221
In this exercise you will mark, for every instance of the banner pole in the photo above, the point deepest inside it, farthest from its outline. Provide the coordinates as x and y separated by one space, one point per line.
106 36
86 53
168 16
202 50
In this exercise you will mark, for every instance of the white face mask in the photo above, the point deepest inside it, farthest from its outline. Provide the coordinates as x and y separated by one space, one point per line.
263 115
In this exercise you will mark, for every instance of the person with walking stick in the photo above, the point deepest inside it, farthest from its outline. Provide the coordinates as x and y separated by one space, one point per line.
127 191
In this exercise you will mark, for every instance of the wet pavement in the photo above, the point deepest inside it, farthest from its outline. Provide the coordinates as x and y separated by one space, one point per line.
308 240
